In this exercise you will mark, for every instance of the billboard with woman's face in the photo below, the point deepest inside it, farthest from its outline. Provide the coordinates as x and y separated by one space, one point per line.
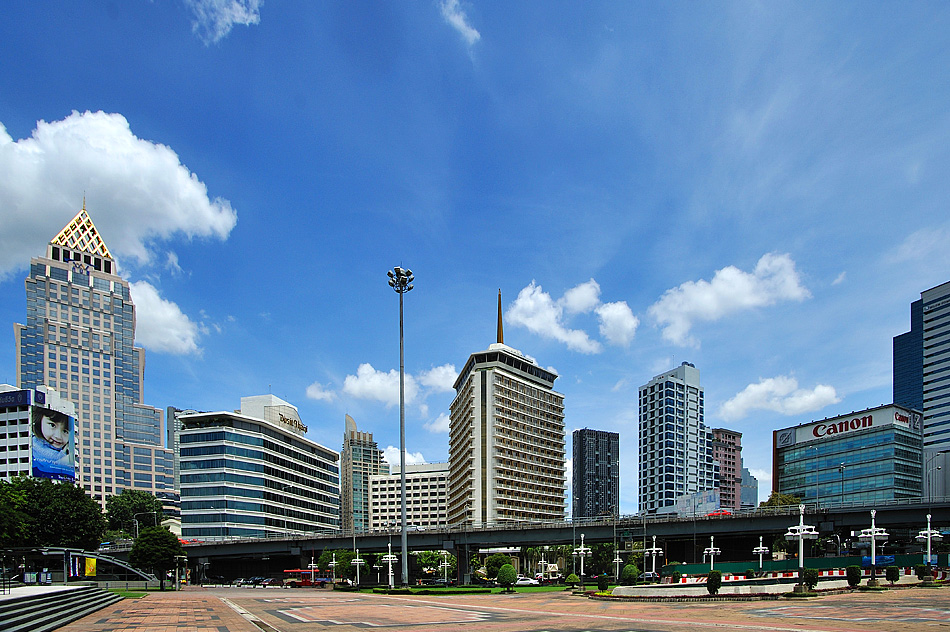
54 445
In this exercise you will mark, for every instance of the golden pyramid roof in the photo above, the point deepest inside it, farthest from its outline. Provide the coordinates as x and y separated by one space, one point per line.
81 234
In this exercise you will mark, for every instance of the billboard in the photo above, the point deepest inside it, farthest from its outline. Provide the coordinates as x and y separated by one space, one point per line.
53 451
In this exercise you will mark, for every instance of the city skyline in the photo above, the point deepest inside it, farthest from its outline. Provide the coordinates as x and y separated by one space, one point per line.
757 190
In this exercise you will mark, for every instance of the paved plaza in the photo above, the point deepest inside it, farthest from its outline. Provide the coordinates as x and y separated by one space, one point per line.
286 610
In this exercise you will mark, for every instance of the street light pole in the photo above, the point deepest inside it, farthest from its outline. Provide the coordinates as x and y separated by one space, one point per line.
400 281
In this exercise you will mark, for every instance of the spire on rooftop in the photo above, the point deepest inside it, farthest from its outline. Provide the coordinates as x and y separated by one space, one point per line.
501 331
81 234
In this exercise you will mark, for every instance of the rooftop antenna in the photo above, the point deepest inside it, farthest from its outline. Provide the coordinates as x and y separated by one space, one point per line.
501 331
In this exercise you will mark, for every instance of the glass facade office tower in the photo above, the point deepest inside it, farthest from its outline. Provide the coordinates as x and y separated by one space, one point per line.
79 339
750 490
727 451
360 459
253 473
908 381
595 483
675 445
866 456
506 440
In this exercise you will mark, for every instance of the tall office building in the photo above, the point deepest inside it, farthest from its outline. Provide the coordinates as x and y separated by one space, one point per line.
360 459
595 483
727 451
750 490
506 440
79 339
922 381
254 473
675 445
426 497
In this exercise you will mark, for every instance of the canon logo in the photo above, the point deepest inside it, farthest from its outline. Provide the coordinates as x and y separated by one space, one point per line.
900 417
822 430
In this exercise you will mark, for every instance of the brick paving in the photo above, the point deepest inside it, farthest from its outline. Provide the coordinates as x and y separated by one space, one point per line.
286 610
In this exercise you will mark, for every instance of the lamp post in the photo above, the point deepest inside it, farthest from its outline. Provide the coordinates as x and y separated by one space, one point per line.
400 281
357 562
801 532
928 535
873 534
760 551
389 559
582 552
711 551
653 552
445 566
135 519
333 569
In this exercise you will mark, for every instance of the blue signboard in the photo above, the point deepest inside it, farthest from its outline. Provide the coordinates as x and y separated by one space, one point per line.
15 398
879 561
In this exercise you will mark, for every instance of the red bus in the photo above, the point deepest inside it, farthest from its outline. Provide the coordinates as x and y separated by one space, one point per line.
298 577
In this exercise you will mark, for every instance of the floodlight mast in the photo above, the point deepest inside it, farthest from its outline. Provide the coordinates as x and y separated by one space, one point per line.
400 281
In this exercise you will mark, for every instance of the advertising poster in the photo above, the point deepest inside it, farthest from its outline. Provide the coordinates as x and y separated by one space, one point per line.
54 445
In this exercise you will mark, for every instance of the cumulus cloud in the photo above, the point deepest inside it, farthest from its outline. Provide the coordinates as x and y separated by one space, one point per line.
137 192
439 379
319 392
453 14
618 325
214 19
731 290
391 454
535 310
779 394
368 383
159 324
439 425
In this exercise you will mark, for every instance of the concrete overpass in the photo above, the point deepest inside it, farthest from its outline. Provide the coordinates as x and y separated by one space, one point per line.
683 538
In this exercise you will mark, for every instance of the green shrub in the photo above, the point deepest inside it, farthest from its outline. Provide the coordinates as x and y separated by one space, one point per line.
713 582
853 574
572 580
810 578
507 576
602 582
749 573
675 575
892 574
922 571
629 575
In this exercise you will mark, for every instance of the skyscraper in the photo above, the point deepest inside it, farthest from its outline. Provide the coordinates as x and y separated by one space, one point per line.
727 451
675 445
360 459
750 490
79 339
596 478
506 439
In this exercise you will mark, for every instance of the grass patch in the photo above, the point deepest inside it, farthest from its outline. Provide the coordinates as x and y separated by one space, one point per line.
128 594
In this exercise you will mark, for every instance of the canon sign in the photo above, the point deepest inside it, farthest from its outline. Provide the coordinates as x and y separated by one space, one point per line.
823 430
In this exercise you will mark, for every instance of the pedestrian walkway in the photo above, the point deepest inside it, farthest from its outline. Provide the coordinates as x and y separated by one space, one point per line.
189 610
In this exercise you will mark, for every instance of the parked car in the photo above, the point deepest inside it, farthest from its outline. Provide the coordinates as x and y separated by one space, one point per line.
272 581
720 512
649 577
238 582
441 581
526 581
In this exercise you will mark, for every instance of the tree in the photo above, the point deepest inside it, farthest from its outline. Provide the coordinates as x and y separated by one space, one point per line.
713 582
853 573
507 576
629 575
601 559
121 510
810 578
39 512
892 574
156 549
780 500
494 562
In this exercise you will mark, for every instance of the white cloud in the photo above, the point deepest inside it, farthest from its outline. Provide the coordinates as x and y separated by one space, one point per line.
159 324
320 392
537 312
582 298
618 325
214 18
391 454
455 16
731 290
840 278
439 425
171 263
439 379
921 245
779 394
137 191
368 383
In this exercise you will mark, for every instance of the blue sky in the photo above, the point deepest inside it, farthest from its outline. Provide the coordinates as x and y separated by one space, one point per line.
757 188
